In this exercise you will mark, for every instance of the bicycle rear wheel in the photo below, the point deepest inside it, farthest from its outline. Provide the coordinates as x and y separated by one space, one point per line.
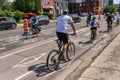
70 52
53 60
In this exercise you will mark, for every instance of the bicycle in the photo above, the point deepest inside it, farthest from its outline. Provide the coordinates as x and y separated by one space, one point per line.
117 23
54 56
33 29
93 35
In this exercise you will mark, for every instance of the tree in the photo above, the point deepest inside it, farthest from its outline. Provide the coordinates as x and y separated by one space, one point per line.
5 5
26 5
110 8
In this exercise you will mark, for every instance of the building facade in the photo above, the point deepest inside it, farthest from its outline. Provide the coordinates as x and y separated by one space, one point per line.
47 6
104 3
55 7
59 6
81 6
110 2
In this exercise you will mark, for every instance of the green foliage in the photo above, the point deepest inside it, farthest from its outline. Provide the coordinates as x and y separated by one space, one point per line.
51 16
18 15
39 13
5 5
27 6
110 8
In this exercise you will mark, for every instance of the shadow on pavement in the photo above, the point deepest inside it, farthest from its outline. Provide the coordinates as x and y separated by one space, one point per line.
41 70
103 31
85 43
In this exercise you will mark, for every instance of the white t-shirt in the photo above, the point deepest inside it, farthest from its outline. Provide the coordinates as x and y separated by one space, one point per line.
95 23
117 16
62 23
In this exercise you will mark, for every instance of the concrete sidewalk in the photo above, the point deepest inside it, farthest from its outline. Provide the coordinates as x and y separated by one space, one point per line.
107 65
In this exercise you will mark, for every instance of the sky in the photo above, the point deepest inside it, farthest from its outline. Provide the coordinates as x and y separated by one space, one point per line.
115 1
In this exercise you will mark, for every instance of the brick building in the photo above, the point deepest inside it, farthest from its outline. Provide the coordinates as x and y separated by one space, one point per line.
94 6
47 6
81 6
53 6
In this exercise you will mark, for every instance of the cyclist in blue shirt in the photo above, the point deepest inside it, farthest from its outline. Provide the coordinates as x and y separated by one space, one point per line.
35 24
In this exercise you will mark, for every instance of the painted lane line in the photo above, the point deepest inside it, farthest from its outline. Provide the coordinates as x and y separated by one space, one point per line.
41 43
10 43
87 34
97 47
47 41
2 48
4 39
23 63
20 77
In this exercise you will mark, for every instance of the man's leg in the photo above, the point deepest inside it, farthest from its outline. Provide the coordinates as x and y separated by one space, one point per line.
64 49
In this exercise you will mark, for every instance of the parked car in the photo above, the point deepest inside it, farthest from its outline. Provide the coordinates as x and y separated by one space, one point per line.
7 22
76 18
42 19
83 14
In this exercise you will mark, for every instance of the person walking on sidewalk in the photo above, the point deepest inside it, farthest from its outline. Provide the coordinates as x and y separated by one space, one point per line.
61 27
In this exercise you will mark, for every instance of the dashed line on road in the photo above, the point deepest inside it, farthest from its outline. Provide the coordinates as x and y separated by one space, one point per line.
34 58
97 47
87 34
36 45
10 43
2 48
20 77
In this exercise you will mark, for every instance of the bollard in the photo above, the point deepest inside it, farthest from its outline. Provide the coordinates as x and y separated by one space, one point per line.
26 28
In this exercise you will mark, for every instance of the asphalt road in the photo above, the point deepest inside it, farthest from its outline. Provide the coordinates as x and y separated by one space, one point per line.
25 59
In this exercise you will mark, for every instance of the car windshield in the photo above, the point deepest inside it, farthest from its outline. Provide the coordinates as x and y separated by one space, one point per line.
8 19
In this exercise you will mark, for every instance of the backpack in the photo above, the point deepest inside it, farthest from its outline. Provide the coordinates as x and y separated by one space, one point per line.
92 23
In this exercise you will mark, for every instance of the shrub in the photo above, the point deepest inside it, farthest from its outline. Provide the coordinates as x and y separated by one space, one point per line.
18 15
51 16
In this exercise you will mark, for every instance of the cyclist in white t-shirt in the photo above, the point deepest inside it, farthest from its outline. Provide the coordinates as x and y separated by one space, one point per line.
62 23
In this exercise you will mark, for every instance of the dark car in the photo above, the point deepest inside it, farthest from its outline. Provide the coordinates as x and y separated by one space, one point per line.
7 22
42 19
75 17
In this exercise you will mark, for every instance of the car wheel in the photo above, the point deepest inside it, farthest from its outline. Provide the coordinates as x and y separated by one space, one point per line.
13 26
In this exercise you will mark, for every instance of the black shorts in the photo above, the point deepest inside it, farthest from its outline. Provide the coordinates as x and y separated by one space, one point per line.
62 37
93 28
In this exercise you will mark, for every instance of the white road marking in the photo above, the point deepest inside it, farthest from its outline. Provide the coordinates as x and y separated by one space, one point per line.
41 43
20 77
97 47
2 48
87 34
10 43
47 41
34 58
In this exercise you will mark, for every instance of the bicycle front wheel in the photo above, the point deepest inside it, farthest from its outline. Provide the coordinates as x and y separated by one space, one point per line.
70 52
53 60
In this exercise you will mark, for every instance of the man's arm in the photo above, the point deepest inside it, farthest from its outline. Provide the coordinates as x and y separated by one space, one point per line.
73 27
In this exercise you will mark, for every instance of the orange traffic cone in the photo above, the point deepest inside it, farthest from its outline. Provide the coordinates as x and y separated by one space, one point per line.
26 29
